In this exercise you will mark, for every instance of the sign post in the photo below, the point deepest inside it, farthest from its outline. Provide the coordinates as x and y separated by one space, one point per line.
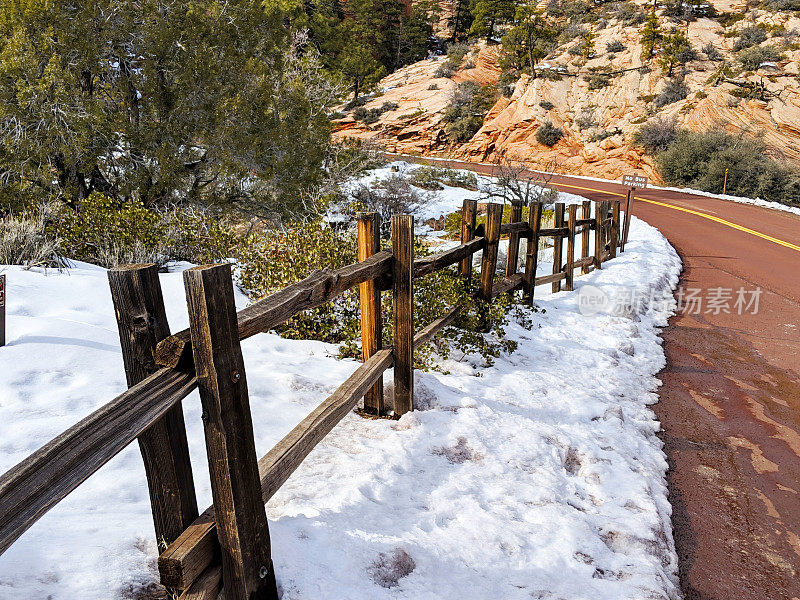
2 310
632 182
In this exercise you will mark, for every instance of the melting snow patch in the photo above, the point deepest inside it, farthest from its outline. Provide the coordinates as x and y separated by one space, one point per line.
544 478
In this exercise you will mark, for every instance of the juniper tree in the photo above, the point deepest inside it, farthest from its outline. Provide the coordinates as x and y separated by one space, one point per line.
157 101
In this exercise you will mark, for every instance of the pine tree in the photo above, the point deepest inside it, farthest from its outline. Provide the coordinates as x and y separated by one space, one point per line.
359 67
488 14
461 21
362 40
587 43
650 35
676 51
529 40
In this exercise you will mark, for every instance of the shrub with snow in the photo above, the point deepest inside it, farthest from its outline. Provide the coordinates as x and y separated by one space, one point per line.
24 240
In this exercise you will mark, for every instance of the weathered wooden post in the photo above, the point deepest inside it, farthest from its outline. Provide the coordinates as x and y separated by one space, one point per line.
369 243
469 212
598 235
242 529
142 323
614 244
494 218
627 225
532 251
2 310
586 214
513 239
570 266
558 244
403 306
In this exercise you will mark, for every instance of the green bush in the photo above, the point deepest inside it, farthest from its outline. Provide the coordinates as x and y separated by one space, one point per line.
456 52
615 46
372 116
548 134
752 58
585 120
748 37
726 19
445 70
602 135
547 105
108 232
434 296
599 80
782 5
674 91
452 221
711 52
198 235
628 13
699 160
273 260
469 103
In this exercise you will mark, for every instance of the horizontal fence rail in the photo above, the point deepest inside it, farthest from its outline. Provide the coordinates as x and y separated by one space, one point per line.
313 291
198 560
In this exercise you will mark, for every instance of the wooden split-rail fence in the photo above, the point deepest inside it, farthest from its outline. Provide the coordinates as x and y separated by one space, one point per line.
225 550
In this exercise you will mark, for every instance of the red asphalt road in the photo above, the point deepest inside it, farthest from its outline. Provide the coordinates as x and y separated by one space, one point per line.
730 401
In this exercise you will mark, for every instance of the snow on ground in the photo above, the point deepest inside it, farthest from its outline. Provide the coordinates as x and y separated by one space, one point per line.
540 477
450 198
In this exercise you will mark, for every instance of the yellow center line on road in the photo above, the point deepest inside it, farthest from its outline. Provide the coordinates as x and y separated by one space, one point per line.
724 222
680 208
692 212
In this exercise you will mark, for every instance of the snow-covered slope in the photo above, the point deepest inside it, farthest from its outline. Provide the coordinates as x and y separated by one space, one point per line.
541 478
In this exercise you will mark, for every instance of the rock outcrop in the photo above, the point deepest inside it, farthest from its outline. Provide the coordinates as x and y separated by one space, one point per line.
598 124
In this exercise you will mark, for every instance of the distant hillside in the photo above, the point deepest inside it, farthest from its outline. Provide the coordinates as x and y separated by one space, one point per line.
741 73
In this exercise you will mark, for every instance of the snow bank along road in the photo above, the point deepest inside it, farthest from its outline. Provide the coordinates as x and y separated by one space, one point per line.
730 404
542 478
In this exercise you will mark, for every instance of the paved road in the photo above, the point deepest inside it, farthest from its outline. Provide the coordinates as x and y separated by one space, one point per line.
730 403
